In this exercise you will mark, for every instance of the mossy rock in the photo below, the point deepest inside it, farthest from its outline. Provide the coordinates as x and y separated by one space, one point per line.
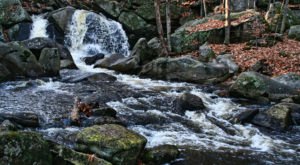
294 32
69 156
24 148
160 155
256 86
111 8
12 12
112 142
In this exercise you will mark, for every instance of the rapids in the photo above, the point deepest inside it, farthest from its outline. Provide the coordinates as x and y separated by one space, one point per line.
145 105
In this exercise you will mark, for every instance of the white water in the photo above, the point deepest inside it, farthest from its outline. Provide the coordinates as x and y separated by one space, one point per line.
39 27
212 137
91 34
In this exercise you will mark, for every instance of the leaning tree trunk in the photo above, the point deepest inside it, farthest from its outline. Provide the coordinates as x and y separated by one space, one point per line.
160 28
284 15
168 20
227 22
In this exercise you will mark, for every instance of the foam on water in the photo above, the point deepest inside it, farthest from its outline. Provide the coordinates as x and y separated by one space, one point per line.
39 27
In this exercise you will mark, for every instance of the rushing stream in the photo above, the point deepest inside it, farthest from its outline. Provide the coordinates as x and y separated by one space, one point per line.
145 105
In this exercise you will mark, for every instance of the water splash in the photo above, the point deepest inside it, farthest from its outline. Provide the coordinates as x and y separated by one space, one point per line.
92 34
39 27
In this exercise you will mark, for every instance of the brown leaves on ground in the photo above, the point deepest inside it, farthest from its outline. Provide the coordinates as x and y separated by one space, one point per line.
282 58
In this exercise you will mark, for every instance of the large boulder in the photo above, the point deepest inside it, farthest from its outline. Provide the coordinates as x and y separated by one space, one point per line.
111 142
206 53
185 69
142 52
19 32
160 155
279 116
26 119
24 148
257 86
61 18
196 32
136 25
188 101
50 61
227 60
36 45
19 61
112 8
289 79
12 12
294 32
274 17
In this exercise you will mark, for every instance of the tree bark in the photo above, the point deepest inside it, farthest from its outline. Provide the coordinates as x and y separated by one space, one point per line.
160 28
168 20
204 7
227 22
284 15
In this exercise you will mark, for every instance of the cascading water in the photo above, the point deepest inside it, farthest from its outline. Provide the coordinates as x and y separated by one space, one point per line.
149 114
92 34
39 27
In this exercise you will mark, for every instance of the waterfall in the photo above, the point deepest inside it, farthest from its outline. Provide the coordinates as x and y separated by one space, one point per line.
39 27
91 34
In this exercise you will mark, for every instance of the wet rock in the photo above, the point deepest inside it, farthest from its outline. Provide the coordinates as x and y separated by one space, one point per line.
111 142
102 77
160 155
19 32
256 86
185 69
92 59
245 116
1 34
73 76
108 61
26 119
5 74
6 125
289 79
126 65
61 18
279 116
188 101
227 60
12 12
206 53
105 111
294 32
100 120
24 148
36 45
19 61
67 64
71 157
50 61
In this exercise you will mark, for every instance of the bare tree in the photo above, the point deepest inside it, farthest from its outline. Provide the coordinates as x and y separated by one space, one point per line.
168 20
160 27
227 22
284 15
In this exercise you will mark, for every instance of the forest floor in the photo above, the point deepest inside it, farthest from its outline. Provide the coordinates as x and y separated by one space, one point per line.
281 58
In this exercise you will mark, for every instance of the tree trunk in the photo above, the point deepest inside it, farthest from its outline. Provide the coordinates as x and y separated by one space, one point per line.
284 15
227 22
160 28
168 20
204 7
